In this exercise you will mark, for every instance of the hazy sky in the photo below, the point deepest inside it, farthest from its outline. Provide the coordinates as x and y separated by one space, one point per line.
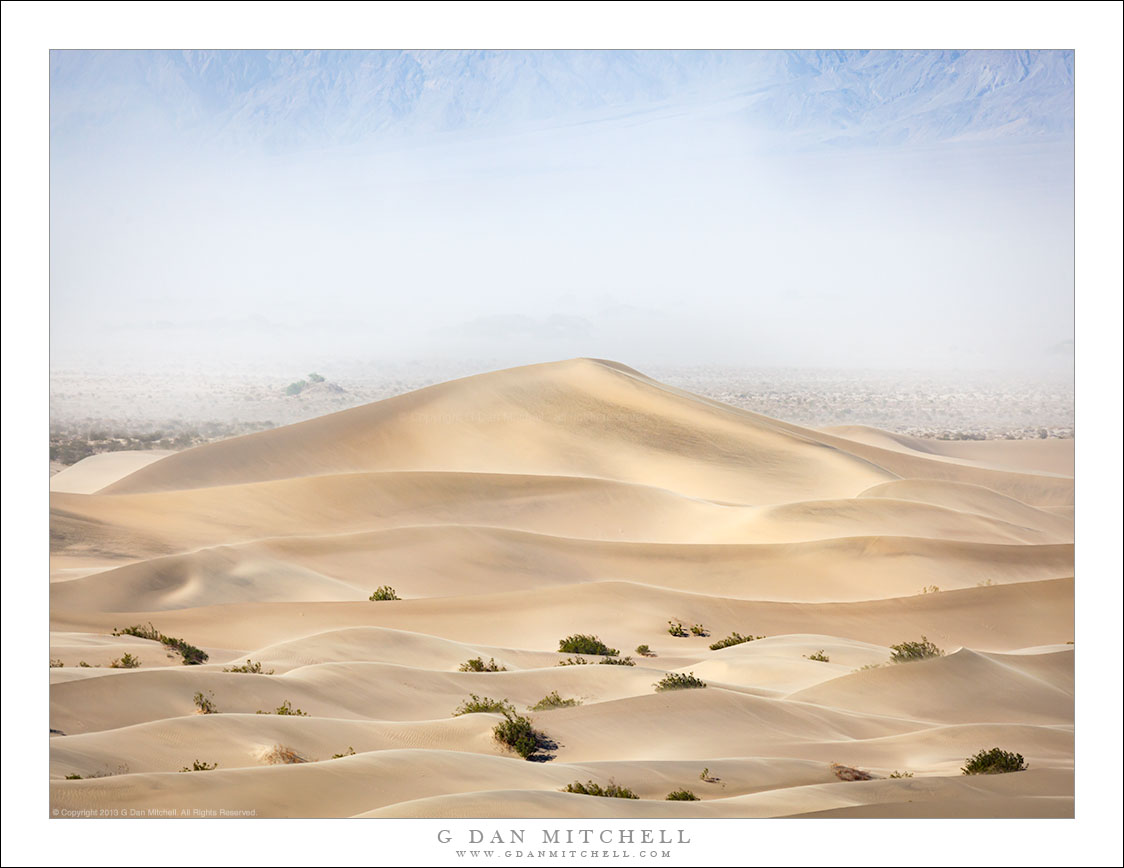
890 209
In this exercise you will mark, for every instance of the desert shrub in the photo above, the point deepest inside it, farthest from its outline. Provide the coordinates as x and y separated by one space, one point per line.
986 583
384 592
645 651
733 639
518 733
205 703
846 773
573 661
618 661
125 661
908 651
679 681
83 664
191 655
896 775
482 705
930 589
699 630
994 762
55 663
818 655
286 708
681 796
590 788
279 755
477 664
249 668
580 643
705 775
315 378
553 700
296 388
199 766
349 752
74 777
676 628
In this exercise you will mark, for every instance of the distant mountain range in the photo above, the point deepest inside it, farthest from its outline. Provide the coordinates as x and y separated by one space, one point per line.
281 100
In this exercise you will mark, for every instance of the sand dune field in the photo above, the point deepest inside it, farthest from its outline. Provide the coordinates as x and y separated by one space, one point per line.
512 509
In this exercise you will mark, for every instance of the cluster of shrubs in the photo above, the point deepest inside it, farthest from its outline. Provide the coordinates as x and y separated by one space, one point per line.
591 788
191 655
249 668
286 708
383 592
477 664
199 766
909 651
994 762
518 733
483 705
679 681
818 655
733 639
553 700
581 643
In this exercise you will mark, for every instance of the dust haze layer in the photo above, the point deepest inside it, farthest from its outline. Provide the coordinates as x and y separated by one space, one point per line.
514 508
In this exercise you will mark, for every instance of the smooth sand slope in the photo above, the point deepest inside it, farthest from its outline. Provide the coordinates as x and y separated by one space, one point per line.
511 509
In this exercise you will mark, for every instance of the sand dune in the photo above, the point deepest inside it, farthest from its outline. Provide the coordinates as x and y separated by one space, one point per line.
512 509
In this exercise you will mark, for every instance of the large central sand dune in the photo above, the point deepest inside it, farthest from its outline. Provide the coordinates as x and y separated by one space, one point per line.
511 509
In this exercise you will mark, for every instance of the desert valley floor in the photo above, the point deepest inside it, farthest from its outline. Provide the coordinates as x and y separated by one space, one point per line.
509 510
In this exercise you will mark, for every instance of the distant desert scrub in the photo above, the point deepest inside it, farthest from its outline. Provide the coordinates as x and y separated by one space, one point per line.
994 762
56 663
733 639
518 733
699 630
286 708
818 655
279 754
679 681
125 661
200 766
573 661
205 703
349 752
612 790
645 651
909 651
846 773
483 705
681 795
384 592
191 655
581 643
617 661
249 667
553 700
477 664
895 775
676 628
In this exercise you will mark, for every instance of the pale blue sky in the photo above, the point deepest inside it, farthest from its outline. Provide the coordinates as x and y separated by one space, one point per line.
893 209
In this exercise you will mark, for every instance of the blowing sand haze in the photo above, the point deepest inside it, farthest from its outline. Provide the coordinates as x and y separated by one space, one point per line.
356 580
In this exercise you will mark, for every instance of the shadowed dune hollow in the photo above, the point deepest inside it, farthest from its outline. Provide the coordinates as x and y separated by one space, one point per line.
512 509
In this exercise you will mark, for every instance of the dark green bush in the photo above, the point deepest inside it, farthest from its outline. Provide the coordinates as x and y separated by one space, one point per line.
518 733
733 639
74 777
573 661
591 788
125 661
249 668
205 703
553 700
896 774
909 651
645 651
618 661
315 378
483 705
994 762
55 663
296 388
818 655
681 796
679 681
676 628
699 630
191 655
580 643
477 664
349 752
384 592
